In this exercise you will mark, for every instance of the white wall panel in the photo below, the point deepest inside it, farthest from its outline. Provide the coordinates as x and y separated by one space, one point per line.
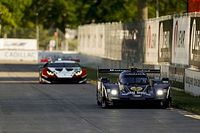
192 81
21 44
18 55
151 53
180 40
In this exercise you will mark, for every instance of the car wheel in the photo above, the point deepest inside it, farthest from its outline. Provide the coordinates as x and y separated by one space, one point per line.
85 82
98 103
165 104
40 80
104 104
97 98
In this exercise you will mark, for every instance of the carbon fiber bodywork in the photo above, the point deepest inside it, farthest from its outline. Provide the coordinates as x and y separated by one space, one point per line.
65 80
62 72
133 86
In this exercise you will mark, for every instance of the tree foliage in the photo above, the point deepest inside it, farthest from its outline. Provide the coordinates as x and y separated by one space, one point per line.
6 16
71 13
13 11
167 7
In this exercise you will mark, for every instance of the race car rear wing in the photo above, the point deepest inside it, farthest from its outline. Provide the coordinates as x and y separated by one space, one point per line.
132 69
69 59
136 70
111 70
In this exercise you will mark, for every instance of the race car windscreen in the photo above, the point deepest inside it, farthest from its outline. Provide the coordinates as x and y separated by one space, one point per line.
63 65
134 79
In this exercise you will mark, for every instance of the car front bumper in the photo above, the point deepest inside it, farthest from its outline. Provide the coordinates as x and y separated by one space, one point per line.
135 99
65 80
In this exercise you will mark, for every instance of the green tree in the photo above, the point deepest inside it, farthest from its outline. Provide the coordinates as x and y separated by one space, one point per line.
52 13
118 10
16 10
167 7
6 16
71 13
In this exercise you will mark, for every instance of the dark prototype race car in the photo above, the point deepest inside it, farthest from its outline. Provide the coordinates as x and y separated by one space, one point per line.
62 71
134 85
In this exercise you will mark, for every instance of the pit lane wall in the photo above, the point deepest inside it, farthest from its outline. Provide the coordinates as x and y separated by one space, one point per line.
171 42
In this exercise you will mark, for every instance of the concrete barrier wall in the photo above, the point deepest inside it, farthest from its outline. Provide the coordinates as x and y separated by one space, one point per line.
18 44
33 56
192 81
19 56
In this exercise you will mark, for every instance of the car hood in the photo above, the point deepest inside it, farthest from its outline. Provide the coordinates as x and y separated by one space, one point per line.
126 87
62 72
135 87
157 86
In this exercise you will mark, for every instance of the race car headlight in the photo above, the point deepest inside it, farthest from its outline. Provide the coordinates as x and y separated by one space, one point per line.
78 73
50 73
160 92
114 92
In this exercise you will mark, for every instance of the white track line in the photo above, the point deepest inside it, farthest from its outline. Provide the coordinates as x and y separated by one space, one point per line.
18 74
193 116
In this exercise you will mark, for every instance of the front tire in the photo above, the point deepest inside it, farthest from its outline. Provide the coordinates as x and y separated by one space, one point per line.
104 104
98 103
40 80
165 104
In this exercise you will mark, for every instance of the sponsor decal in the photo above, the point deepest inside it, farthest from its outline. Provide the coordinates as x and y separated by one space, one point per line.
195 42
20 44
136 89
151 38
181 36
164 41
19 54
175 36
125 34
192 81
151 53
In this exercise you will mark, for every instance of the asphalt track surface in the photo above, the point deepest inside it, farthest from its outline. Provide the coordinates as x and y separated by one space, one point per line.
29 107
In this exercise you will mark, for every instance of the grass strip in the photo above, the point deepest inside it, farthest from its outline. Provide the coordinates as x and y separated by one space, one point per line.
183 100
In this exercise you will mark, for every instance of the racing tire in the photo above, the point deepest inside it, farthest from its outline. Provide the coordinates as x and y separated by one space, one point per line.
85 82
97 99
104 104
165 104
40 80
98 103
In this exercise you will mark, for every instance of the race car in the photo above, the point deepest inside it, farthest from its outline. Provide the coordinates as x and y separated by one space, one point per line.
133 86
62 71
